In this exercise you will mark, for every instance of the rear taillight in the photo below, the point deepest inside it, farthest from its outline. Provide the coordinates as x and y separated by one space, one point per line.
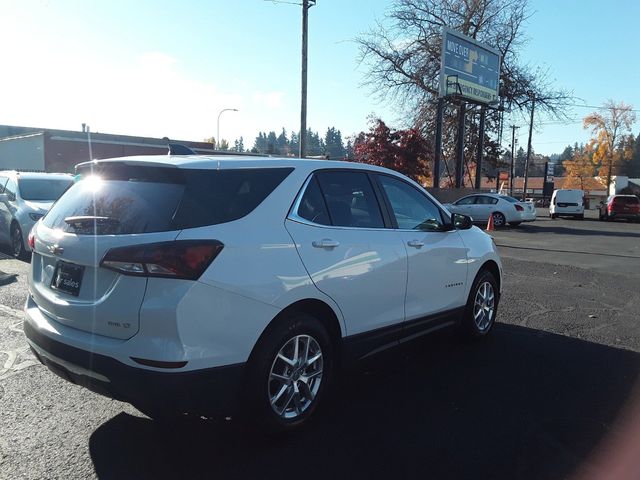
31 240
186 259
519 208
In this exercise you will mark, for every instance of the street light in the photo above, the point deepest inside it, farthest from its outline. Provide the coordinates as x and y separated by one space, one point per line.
218 131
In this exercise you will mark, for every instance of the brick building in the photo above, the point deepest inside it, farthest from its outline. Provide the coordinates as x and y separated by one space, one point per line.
50 150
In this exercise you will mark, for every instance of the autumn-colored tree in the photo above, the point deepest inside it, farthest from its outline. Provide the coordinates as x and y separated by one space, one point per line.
405 151
580 167
608 129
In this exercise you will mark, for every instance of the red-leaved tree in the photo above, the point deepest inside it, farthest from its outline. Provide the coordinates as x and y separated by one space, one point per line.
405 151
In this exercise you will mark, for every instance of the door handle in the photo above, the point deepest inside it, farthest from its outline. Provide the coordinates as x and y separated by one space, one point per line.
415 243
325 243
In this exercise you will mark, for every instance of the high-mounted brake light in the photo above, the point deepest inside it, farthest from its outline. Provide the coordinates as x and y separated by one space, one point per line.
519 208
185 259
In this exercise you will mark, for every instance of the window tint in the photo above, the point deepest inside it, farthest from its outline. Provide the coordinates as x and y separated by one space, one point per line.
350 199
509 199
626 200
10 189
312 206
484 200
43 189
466 201
122 199
411 208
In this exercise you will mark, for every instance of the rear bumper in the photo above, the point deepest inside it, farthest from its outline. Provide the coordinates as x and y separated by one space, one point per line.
208 392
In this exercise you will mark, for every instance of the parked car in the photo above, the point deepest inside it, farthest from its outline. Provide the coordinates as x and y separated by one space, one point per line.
567 203
505 209
620 206
182 284
24 199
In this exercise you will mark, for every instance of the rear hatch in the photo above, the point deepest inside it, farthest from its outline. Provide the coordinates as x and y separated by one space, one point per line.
628 205
118 206
117 226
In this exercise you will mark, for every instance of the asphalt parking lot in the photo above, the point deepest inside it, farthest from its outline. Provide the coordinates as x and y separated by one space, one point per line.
547 396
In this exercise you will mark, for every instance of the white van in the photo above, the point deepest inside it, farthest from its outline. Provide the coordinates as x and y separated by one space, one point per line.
567 203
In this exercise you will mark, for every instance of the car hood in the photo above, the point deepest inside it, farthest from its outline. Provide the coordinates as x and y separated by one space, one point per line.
38 206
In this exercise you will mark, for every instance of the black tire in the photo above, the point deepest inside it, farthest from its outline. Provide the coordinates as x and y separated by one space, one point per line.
600 217
514 224
296 409
553 216
17 245
470 327
581 217
499 220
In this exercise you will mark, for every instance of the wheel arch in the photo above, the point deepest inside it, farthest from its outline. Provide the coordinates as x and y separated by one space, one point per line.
314 307
492 267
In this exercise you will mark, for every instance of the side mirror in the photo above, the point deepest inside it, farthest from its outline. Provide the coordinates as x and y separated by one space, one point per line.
461 222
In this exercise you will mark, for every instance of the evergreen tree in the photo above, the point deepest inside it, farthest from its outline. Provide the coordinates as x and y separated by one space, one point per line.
238 145
333 145
282 144
260 144
272 142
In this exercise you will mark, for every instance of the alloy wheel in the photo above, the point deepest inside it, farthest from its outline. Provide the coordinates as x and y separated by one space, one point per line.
295 376
483 306
498 220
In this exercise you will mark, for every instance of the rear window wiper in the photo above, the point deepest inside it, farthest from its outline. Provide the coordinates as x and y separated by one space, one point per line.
83 221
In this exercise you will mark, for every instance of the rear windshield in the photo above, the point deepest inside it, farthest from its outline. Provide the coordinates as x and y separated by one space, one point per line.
626 200
122 199
42 189
509 199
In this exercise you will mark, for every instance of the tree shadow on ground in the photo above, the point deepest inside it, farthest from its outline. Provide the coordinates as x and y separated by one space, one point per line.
521 404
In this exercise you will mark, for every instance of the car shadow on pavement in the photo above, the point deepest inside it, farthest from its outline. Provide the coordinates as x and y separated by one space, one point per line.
521 404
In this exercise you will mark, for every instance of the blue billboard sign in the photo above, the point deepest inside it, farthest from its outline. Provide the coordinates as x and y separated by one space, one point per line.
469 69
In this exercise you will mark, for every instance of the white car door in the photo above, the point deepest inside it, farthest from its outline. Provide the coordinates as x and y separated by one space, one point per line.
437 276
350 252
484 207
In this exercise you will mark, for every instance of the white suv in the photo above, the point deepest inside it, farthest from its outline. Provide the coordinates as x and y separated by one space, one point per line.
187 284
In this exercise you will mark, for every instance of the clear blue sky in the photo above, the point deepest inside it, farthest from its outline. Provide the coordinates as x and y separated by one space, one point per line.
159 67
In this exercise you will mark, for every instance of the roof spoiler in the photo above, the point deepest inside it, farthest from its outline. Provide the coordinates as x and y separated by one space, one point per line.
177 149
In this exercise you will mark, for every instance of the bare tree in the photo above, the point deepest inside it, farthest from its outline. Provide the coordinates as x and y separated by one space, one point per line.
403 55
608 129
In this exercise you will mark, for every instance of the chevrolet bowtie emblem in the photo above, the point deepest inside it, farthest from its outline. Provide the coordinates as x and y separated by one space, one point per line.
55 249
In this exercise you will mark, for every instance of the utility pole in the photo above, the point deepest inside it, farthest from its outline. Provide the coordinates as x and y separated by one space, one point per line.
513 150
306 4
480 150
526 163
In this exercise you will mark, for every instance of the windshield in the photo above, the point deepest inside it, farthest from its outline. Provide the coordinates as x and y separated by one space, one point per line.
43 189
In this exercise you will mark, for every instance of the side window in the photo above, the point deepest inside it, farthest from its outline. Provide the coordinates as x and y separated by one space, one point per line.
10 189
483 200
3 181
466 201
413 210
312 206
350 199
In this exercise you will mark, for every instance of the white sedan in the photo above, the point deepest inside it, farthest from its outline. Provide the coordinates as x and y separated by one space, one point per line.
505 209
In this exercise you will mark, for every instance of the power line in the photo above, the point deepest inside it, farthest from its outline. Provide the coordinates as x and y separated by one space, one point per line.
594 106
